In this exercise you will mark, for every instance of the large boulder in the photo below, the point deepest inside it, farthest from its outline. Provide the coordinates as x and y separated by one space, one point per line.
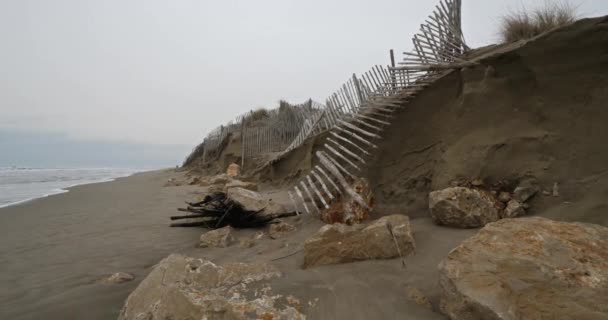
180 287
464 207
253 201
220 238
386 238
528 268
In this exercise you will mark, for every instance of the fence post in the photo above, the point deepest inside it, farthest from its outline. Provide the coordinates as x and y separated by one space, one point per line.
392 71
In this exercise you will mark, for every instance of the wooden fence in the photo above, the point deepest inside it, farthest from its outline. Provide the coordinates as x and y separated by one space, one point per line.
365 106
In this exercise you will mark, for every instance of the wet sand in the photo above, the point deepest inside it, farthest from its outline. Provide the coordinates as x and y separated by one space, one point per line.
53 250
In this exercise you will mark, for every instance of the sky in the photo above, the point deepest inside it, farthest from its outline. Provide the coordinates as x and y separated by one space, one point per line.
167 72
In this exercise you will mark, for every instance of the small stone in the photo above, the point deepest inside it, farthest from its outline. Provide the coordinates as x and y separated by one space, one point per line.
555 192
278 230
220 238
514 209
504 197
416 296
247 243
546 193
526 189
477 183
118 277
233 170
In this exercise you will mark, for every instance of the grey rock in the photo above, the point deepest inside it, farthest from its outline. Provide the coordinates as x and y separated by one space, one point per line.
279 230
514 209
220 238
528 268
340 243
180 287
463 207
253 201
241 184
526 189
504 197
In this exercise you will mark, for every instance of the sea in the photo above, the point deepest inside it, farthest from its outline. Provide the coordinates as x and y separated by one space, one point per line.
21 184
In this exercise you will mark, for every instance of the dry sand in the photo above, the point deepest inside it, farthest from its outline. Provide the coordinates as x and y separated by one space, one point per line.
53 250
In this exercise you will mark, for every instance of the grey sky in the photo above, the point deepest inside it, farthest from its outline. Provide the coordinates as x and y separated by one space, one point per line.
170 71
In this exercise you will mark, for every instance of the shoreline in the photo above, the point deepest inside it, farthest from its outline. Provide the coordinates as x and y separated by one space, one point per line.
57 248
69 188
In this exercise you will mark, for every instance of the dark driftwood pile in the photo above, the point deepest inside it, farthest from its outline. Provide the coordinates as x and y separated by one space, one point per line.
217 211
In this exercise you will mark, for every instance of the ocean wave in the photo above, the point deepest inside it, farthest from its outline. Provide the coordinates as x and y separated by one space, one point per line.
22 185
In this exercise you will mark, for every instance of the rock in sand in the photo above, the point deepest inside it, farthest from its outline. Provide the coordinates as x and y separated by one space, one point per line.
180 287
118 277
220 238
386 238
253 201
514 209
528 268
279 230
241 184
526 189
463 207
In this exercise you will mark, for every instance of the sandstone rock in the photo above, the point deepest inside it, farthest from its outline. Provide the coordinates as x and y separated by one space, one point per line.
528 268
187 288
526 189
279 230
119 277
347 210
514 209
416 296
463 207
233 170
220 238
241 184
504 197
253 201
339 243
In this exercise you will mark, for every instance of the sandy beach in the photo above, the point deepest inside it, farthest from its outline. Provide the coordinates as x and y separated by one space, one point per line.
54 250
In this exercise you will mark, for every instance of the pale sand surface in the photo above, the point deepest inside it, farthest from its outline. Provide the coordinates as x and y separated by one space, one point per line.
55 249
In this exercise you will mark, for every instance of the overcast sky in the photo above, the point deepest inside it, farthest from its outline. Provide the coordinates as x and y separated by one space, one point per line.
170 71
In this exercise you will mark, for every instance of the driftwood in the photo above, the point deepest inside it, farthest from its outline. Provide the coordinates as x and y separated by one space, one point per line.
217 211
